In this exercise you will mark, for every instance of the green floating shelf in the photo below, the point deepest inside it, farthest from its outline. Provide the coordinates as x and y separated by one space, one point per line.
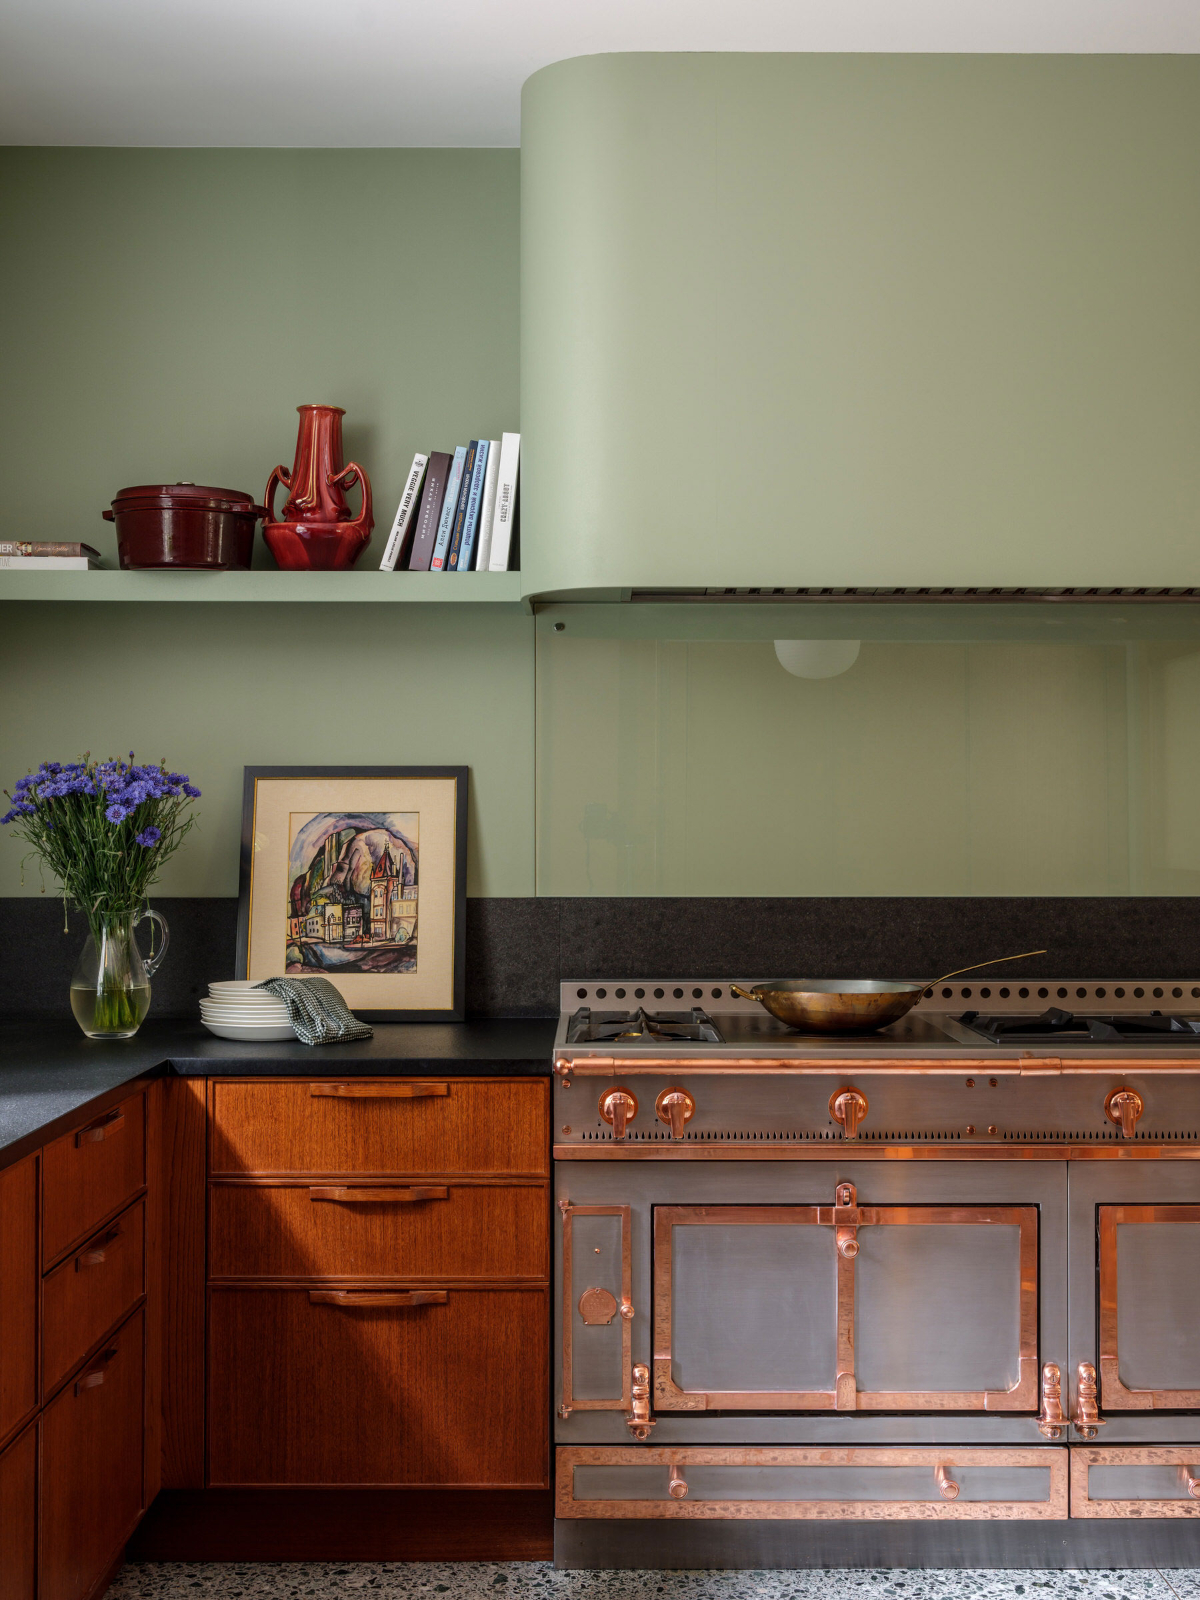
265 586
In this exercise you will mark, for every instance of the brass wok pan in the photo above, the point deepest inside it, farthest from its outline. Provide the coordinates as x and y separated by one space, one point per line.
848 1005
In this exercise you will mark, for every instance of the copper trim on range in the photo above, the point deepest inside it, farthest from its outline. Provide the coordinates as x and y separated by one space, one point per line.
623 1401
675 1461
845 1217
1113 1392
618 1107
1124 1106
817 1151
1087 1419
640 1419
675 1107
849 1107
1182 1457
1050 1420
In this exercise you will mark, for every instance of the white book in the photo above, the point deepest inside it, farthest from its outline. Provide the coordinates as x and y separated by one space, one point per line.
506 502
50 563
404 513
488 508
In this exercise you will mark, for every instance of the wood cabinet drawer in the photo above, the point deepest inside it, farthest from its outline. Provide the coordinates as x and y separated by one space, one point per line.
19 1279
377 1230
390 1125
1135 1481
18 1516
859 1483
91 1479
90 1173
91 1291
448 1393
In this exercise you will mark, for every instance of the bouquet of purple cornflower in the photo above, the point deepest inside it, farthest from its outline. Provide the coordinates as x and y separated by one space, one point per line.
104 829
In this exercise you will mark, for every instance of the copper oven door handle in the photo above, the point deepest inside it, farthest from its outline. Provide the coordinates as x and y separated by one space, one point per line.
377 1091
377 1297
96 1132
365 1194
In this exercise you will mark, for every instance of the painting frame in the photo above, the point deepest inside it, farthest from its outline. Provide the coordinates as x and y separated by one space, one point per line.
338 784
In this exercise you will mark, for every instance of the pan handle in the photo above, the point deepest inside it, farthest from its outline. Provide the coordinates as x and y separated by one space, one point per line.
996 961
744 994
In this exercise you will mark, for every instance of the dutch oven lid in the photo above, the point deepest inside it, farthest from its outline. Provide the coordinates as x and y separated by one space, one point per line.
181 496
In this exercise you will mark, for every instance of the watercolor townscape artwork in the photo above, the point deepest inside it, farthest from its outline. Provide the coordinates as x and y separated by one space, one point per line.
352 892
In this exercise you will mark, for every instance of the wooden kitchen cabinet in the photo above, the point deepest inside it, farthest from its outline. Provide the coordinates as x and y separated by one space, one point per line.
380 1230
91 1481
382 1320
18 1517
91 1291
90 1173
19 1275
386 1126
304 1390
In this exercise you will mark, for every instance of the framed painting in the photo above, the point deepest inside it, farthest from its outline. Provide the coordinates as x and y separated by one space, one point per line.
358 874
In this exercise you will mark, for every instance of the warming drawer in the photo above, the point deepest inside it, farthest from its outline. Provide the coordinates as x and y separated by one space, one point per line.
797 1484
1138 1481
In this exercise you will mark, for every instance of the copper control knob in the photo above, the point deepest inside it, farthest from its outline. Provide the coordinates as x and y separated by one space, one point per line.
618 1107
1124 1106
849 1107
675 1106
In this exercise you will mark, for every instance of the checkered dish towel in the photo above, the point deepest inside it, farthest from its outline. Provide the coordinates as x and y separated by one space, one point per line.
316 1010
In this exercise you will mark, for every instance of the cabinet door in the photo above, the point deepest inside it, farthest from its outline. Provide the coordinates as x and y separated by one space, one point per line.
1135 1285
846 1307
328 1386
91 1479
18 1516
19 1278
90 1173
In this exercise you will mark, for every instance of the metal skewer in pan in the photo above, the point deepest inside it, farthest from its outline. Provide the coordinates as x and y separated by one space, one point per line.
849 1005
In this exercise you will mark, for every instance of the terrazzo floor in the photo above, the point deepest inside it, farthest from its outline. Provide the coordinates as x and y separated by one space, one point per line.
171 1580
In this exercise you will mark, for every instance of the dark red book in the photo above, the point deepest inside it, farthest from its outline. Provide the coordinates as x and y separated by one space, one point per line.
434 493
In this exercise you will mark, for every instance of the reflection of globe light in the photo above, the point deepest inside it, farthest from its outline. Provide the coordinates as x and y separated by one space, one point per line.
817 658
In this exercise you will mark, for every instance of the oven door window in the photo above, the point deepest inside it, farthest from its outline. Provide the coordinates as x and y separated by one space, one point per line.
845 1307
1149 1303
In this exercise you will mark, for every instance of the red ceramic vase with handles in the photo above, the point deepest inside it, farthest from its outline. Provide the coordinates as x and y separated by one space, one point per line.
317 532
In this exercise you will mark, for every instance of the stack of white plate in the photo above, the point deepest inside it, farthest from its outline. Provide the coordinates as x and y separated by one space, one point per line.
237 1010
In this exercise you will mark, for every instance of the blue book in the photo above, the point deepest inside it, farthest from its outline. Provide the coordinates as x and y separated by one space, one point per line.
466 554
449 505
460 512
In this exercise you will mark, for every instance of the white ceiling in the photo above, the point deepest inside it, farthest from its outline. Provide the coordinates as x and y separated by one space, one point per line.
394 72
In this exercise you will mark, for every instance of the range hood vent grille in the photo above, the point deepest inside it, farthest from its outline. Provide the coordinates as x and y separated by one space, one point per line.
919 596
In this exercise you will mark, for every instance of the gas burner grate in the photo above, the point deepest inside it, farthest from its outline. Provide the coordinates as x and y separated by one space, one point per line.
1055 1025
642 1027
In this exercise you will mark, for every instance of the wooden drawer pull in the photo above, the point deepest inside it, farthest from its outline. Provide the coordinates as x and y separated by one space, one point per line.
377 1091
95 1254
377 1297
97 1132
366 1194
94 1376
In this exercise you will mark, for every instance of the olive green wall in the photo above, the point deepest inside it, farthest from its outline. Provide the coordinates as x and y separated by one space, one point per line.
826 320
162 312
216 688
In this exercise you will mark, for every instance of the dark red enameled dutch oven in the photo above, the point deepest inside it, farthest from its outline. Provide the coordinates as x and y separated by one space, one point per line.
184 525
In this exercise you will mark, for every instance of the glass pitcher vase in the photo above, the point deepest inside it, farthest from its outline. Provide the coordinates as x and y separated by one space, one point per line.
110 990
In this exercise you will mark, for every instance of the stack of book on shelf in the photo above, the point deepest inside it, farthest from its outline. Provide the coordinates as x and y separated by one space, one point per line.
47 555
457 512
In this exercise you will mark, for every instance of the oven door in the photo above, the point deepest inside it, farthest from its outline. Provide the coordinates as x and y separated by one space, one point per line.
1135 1294
804 1291
847 1306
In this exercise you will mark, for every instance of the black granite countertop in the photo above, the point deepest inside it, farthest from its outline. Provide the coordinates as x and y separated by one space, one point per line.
50 1073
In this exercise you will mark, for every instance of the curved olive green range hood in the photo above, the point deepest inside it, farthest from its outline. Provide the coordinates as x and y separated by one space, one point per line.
860 321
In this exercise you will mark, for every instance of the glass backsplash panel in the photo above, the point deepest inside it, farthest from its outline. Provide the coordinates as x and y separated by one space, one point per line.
702 767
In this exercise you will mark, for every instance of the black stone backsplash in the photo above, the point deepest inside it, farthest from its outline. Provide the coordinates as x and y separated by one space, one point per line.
519 950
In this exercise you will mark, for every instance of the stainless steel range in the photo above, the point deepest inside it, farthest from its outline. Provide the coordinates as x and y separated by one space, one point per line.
925 1296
